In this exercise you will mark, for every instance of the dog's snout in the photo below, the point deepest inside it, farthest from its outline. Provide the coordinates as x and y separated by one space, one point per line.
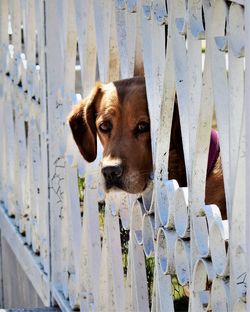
111 173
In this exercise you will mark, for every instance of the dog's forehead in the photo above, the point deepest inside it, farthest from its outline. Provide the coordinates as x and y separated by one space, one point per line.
123 95
109 102
109 94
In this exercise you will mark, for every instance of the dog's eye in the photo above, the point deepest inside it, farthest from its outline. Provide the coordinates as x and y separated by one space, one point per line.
105 127
142 127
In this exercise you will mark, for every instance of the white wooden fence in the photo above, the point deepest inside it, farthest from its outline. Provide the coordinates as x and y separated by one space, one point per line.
59 248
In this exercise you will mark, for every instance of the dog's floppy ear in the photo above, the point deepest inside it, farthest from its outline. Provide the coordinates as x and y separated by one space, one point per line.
82 124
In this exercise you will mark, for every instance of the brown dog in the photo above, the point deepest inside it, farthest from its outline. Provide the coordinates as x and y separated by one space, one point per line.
117 112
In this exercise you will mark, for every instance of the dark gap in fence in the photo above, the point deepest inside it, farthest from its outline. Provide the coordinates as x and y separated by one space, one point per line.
101 217
78 77
124 234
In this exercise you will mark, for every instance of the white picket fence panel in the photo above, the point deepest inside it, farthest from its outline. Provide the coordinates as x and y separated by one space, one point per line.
57 242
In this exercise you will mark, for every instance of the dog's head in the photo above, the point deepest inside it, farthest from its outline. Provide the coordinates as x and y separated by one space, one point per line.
117 113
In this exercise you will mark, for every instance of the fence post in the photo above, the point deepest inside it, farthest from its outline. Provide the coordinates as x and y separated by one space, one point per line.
54 78
247 116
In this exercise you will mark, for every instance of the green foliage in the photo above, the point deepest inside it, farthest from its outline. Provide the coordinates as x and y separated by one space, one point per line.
124 234
180 299
150 267
81 186
177 289
101 209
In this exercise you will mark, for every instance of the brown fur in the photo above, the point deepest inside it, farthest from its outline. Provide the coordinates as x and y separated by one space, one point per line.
123 104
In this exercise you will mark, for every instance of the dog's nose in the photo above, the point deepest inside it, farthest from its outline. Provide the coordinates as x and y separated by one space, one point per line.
112 173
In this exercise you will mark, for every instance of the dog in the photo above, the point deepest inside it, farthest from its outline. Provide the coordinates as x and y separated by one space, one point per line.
117 113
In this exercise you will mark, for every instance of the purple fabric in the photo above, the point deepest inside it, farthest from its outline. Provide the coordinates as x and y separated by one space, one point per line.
213 150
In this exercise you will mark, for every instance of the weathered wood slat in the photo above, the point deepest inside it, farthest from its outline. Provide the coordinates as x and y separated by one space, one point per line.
29 262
